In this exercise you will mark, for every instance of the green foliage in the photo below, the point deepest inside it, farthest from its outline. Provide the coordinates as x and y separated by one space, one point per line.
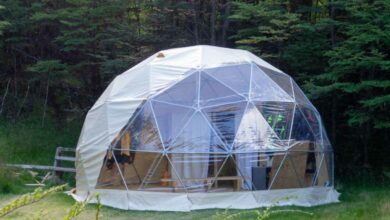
79 207
360 63
9 181
338 51
3 24
12 180
268 25
29 198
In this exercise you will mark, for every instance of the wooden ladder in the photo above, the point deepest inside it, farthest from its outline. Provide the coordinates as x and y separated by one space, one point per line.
152 169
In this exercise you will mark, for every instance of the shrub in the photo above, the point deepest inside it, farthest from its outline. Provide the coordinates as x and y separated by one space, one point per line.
29 198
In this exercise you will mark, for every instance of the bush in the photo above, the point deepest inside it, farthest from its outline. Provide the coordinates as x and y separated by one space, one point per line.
12 180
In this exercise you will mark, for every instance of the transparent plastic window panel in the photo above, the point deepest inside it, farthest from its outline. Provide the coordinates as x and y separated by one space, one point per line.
255 134
306 125
263 88
236 77
110 176
171 119
282 80
226 119
324 167
196 172
279 116
213 92
197 136
300 97
141 133
184 92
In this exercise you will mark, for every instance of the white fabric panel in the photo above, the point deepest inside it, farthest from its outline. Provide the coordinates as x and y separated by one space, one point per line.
261 62
95 128
132 84
188 57
223 56
229 200
166 201
105 95
82 182
307 197
119 113
158 201
164 76
92 163
113 198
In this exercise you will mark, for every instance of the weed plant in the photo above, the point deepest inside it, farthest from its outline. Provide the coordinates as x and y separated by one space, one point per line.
29 198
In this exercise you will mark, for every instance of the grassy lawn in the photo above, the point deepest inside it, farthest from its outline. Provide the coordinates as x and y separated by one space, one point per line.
27 142
356 203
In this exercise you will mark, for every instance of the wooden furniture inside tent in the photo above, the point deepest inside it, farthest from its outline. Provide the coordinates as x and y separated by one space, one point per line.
292 172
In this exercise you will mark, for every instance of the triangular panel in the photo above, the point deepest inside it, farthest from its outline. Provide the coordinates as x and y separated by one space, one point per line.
110 176
236 77
313 119
171 119
213 92
225 119
254 133
140 134
185 92
263 88
279 116
325 143
281 79
197 136
152 169
300 97
301 130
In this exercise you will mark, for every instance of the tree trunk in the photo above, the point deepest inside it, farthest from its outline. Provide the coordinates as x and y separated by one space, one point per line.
212 21
45 105
225 25
4 96
195 22
23 102
366 144
137 14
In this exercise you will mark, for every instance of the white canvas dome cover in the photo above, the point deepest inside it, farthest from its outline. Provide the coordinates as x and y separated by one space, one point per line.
204 127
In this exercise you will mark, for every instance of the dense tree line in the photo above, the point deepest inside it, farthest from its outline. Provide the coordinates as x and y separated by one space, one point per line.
58 56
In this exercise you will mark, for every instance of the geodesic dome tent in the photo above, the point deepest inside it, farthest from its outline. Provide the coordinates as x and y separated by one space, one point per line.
204 127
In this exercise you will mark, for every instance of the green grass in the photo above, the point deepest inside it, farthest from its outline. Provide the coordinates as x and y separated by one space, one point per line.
28 142
356 203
